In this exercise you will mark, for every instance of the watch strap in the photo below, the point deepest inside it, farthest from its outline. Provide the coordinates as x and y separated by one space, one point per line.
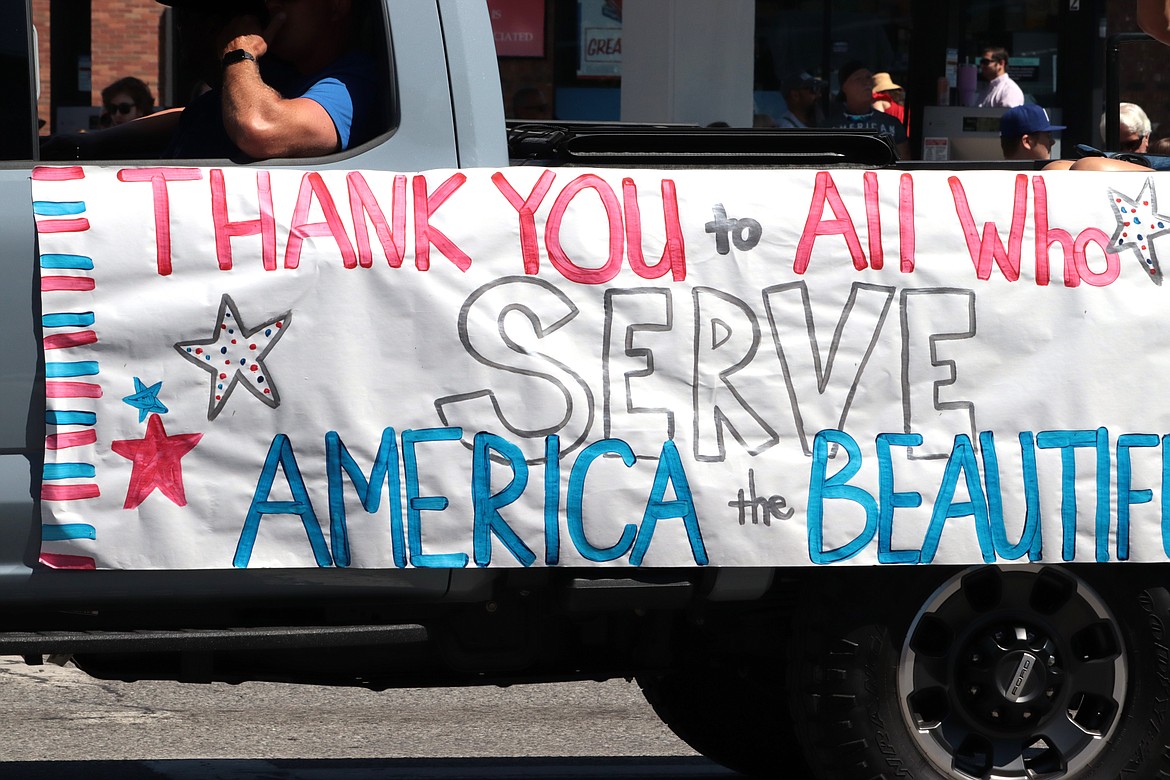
237 55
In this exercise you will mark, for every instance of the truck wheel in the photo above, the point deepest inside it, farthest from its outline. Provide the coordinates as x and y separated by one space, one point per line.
733 712
1000 673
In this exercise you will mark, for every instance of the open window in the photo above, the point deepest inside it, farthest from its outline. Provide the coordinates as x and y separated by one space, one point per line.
89 46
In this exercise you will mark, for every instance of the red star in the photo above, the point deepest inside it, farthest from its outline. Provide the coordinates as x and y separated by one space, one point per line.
156 462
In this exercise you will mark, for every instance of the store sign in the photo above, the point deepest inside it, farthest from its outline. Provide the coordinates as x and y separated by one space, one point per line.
518 27
601 38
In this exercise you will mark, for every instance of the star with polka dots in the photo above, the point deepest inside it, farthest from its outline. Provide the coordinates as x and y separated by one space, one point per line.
234 355
1138 224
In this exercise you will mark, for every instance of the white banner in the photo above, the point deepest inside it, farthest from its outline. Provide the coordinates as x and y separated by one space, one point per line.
530 367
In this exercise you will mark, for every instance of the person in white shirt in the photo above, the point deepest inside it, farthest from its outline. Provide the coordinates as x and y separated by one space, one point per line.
1002 92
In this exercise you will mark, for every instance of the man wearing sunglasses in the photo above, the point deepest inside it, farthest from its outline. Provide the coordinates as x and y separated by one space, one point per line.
1135 129
1002 91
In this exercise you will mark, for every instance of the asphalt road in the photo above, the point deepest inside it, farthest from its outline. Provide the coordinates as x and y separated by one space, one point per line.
59 723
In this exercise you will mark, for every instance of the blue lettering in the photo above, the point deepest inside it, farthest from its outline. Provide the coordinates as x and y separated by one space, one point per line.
889 499
280 452
385 469
670 473
961 461
416 504
821 488
1126 497
576 500
1031 540
487 506
1068 442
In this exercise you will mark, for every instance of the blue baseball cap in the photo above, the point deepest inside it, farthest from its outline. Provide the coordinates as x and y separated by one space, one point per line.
1026 120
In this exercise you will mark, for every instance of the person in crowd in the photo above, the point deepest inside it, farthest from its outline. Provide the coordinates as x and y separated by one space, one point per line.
126 99
1026 134
854 107
888 97
801 92
1002 91
1134 135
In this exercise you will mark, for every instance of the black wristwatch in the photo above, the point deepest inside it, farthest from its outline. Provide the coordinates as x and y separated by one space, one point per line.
237 55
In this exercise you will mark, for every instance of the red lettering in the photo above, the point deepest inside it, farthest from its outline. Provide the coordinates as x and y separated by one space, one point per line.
1112 261
265 224
906 235
363 204
1045 238
552 230
526 208
158 178
990 247
312 184
425 233
873 221
824 193
674 253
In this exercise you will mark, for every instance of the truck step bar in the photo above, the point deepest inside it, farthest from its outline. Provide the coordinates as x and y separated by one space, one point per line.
162 641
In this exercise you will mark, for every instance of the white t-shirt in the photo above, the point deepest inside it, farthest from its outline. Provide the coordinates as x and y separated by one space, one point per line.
1002 92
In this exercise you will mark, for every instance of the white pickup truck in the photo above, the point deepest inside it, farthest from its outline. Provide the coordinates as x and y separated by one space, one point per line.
841 458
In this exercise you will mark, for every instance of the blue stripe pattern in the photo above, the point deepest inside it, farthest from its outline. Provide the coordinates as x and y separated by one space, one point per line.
55 417
60 533
77 262
76 368
69 471
78 319
51 208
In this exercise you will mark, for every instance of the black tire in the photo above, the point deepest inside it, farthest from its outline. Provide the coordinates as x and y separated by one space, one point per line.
730 704
1030 672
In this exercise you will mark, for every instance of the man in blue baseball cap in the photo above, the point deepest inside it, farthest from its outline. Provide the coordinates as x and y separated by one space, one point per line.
1026 134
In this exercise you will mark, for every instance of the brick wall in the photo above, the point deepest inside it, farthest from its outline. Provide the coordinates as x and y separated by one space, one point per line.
124 41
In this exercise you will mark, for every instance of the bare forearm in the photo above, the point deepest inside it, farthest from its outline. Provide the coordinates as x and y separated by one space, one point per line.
251 111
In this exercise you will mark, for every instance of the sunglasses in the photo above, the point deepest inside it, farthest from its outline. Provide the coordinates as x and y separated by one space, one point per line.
986 61
119 108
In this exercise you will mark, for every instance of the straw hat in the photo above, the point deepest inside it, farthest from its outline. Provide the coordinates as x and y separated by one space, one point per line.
883 83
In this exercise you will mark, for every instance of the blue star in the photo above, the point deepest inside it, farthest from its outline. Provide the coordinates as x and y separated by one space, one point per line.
145 399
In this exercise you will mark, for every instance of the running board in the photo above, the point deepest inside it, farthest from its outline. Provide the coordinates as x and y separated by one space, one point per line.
203 639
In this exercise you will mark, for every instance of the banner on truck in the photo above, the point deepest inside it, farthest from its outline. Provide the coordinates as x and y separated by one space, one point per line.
528 367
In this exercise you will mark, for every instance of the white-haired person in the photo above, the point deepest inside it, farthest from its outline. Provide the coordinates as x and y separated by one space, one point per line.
1135 129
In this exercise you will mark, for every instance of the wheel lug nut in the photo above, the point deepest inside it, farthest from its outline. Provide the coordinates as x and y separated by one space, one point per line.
1027 714
995 713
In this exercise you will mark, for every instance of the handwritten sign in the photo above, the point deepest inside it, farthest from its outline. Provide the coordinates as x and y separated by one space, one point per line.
527 367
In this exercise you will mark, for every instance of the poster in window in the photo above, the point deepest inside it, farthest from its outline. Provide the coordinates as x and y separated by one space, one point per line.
601 38
518 27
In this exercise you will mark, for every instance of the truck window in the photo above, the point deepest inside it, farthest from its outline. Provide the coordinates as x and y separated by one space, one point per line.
113 61
17 131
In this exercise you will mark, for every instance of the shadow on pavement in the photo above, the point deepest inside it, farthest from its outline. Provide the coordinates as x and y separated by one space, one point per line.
582 768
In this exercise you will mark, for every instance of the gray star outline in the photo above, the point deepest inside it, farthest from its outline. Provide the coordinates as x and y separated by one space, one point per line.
1127 212
227 320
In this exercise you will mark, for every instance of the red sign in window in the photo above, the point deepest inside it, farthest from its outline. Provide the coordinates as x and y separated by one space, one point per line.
518 26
